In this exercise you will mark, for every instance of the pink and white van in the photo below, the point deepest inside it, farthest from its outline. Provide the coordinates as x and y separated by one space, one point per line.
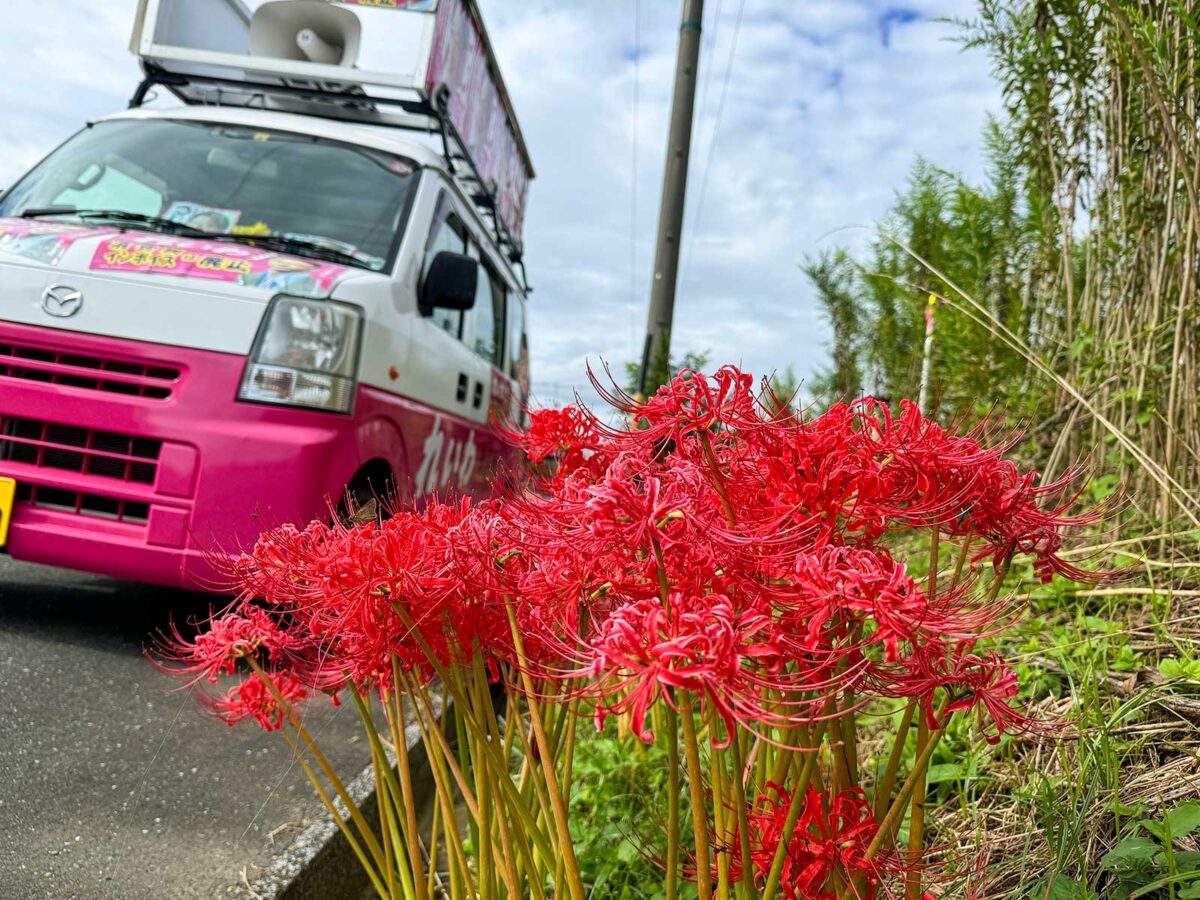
227 314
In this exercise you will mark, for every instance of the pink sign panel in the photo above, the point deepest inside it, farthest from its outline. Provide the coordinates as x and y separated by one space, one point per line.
461 60
417 5
245 265
43 240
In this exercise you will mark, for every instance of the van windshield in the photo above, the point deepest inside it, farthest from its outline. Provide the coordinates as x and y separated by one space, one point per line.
228 179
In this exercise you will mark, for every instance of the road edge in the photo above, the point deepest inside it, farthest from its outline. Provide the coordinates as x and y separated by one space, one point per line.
319 864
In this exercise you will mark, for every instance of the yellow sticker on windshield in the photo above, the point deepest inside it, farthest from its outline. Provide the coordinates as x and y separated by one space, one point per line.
256 228
262 136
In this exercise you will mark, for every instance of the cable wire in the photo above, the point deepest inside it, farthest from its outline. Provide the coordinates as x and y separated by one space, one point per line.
712 145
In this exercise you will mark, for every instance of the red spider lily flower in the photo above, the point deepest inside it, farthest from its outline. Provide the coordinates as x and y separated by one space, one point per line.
632 507
1017 516
690 403
560 443
830 839
244 631
726 659
253 699
838 587
558 433
975 681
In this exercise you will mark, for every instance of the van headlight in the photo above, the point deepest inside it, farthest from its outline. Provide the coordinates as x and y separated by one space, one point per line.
306 354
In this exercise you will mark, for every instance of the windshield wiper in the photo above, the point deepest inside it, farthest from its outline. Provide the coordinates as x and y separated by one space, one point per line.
157 223
297 246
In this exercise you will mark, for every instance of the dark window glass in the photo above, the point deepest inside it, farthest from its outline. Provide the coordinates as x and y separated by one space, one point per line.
488 317
229 178
448 234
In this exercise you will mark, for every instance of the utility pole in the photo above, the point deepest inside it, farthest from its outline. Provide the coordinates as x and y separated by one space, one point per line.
656 353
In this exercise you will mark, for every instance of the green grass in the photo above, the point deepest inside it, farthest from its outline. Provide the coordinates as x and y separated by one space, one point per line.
1105 808
1062 818
618 805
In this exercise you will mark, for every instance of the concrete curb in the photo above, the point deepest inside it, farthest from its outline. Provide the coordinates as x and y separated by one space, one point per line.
319 864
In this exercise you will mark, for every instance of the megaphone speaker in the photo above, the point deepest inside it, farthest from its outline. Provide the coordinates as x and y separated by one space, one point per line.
306 31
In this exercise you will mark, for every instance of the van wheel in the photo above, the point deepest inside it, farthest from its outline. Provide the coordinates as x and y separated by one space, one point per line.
367 496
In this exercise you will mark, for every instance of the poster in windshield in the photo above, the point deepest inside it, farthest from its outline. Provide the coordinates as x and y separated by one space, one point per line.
249 266
43 242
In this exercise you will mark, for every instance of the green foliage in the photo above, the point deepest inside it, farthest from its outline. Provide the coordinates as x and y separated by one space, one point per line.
981 238
834 275
1147 861
618 794
1078 249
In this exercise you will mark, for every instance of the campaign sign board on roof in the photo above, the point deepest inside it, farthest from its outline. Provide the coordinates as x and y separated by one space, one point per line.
460 60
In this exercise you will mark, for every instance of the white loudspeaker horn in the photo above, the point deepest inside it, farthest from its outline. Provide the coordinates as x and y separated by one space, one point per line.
306 31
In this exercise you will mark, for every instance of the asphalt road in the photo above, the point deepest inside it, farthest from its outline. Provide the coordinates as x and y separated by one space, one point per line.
111 786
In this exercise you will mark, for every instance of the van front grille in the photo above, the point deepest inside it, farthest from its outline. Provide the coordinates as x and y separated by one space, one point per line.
116 376
95 506
106 454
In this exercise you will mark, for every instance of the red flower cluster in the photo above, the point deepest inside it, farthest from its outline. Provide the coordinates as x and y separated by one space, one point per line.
266 698
830 841
709 554
709 548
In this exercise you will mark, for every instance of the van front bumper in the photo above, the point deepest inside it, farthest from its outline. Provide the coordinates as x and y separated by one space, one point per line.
136 460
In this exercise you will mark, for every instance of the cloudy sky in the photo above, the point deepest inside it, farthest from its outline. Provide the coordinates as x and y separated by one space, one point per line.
809 116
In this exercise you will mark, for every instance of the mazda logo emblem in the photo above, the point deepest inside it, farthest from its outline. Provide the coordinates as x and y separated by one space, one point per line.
62 301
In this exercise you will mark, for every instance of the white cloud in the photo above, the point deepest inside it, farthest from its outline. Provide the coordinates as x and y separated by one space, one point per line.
820 126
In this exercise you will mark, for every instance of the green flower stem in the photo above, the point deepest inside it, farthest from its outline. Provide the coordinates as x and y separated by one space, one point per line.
342 824
916 822
718 478
567 768
745 884
934 546
413 833
691 746
385 779
428 725
883 792
433 879
323 763
565 847
511 864
892 819
672 720
716 765
793 742
505 784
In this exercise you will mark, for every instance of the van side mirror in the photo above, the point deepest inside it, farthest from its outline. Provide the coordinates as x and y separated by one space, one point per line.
450 283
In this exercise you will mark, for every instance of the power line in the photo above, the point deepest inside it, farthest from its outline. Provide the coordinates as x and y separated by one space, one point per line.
712 145
711 63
